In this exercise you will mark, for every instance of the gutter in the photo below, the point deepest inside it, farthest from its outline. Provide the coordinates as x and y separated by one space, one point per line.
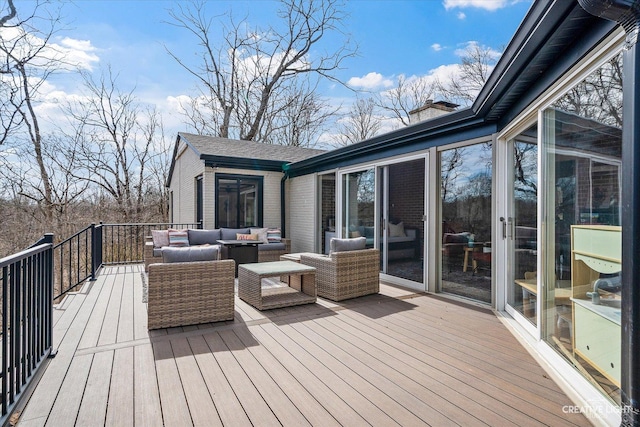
283 222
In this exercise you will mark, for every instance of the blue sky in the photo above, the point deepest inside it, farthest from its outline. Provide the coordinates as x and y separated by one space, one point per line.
395 37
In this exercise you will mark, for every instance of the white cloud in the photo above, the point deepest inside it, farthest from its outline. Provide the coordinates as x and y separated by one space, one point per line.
443 72
78 52
71 53
370 81
495 54
462 16
437 47
480 4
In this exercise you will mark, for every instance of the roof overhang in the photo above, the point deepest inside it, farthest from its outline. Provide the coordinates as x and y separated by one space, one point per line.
242 163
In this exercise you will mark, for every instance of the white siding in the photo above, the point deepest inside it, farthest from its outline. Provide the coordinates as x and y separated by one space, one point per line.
183 184
302 213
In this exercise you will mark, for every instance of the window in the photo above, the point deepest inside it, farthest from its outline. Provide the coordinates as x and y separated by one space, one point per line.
238 201
582 149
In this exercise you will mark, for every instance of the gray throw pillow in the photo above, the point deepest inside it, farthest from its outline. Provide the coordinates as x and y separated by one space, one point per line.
204 237
189 254
344 245
230 233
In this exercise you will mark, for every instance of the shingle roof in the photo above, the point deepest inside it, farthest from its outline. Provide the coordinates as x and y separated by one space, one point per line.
215 146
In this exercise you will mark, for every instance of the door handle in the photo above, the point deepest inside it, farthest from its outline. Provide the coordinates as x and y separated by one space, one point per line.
504 227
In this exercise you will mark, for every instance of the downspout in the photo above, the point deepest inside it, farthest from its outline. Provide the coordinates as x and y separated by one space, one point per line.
627 14
283 222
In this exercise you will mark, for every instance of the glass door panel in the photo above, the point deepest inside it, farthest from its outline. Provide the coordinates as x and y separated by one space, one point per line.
465 207
402 195
520 225
358 205
582 151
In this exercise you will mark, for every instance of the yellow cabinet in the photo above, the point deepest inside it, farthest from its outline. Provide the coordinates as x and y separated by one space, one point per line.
596 318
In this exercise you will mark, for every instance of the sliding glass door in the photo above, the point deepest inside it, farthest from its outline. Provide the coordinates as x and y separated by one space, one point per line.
402 198
386 204
466 255
520 224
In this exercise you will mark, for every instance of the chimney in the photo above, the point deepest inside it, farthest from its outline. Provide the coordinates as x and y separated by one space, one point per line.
430 110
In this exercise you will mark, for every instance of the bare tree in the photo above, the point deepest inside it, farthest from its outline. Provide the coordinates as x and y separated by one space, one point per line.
28 59
117 137
245 80
298 115
156 192
451 161
409 94
463 87
11 13
599 96
360 123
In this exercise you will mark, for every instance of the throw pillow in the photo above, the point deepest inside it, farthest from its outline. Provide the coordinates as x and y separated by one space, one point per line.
190 254
179 238
262 234
344 245
396 230
160 238
203 237
274 235
246 237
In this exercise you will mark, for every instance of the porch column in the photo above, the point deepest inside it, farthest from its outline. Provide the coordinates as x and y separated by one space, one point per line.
627 14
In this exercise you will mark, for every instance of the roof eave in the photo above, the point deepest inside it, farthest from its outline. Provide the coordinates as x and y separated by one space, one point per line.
242 163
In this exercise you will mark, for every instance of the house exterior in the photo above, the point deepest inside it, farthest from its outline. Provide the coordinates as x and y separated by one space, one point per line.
222 182
527 201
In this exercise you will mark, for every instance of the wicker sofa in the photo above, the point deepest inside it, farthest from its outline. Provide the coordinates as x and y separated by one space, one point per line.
189 293
270 251
348 271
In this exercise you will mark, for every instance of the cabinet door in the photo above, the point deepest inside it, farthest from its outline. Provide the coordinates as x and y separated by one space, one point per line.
597 340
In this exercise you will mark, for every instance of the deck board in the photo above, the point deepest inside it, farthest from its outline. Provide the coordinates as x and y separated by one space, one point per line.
120 409
397 358
148 411
96 394
201 407
175 410
230 411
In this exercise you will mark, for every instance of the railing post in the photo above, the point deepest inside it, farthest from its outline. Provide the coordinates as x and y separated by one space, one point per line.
93 252
48 292
96 249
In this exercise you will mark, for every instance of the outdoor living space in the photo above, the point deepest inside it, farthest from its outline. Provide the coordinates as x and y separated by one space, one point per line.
395 358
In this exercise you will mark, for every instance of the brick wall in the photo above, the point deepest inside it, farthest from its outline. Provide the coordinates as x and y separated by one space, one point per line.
406 193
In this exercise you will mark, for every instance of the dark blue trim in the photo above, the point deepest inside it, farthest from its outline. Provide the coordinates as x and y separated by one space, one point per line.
380 148
242 163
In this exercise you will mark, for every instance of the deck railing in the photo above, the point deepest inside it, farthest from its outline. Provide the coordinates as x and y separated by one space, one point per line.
33 279
79 257
27 307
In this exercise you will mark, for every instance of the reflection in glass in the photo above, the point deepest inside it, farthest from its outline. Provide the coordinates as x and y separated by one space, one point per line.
582 141
521 227
402 247
358 201
238 201
465 191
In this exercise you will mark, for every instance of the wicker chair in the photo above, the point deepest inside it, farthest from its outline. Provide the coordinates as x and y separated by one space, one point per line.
188 293
344 275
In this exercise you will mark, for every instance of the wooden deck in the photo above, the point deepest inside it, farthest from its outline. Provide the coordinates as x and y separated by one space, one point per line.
397 358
